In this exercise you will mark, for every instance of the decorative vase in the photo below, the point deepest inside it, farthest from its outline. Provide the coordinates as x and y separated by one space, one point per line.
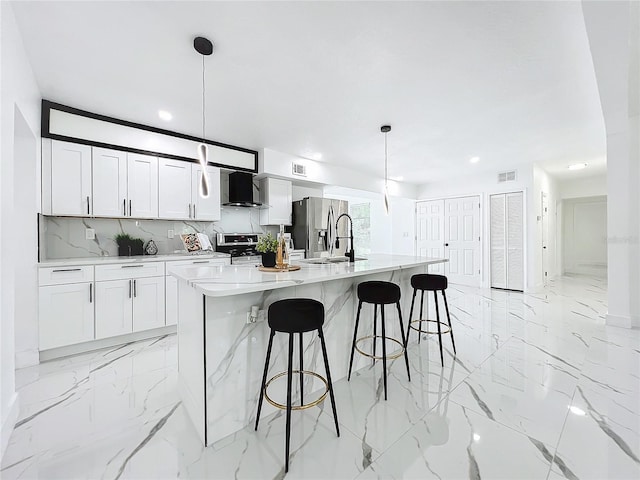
151 248
269 259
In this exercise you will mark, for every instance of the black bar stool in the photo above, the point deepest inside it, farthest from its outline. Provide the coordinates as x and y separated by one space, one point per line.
296 315
379 293
430 283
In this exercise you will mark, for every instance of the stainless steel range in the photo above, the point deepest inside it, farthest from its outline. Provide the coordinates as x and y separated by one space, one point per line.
241 247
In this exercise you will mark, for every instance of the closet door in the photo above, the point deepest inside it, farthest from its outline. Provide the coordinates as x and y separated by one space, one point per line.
507 240
498 241
515 246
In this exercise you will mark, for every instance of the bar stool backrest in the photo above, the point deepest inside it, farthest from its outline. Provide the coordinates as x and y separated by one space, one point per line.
378 292
296 315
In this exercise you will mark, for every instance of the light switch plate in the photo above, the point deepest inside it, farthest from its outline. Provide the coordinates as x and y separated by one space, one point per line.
89 234
170 233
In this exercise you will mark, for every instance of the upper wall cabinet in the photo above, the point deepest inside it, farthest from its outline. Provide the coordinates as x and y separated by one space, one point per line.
276 196
179 196
124 184
66 178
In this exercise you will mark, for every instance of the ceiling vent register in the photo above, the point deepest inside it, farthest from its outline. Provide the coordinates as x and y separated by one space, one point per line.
507 176
299 169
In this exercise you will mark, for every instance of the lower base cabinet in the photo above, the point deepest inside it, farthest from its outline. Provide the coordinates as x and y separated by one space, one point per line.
66 314
148 303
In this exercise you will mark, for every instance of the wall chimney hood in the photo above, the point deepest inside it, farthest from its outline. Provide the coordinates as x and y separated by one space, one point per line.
241 190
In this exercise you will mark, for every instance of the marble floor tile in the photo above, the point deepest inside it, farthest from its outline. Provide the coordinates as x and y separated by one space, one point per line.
454 442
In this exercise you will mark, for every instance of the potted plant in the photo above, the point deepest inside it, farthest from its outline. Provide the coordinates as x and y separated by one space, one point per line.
124 244
137 246
268 246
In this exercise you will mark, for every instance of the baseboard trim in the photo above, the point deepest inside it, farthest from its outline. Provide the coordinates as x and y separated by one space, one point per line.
623 321
8 423
27 358
60 352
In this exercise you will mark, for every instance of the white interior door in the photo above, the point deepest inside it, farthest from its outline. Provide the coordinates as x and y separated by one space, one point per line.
507 240
462 240
430 232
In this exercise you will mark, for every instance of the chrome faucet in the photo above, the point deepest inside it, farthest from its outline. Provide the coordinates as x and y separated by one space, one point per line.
351 253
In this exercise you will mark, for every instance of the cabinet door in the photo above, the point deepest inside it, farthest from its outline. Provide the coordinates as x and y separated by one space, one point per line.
142 189
66 314
174 189
171 300
70 179
205 208
114 311
277 194
148 303
109 183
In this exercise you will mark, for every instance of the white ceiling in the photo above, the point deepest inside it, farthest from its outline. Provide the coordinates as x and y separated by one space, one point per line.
508 82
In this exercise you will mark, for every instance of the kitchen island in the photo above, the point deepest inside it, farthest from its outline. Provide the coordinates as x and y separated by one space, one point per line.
221 355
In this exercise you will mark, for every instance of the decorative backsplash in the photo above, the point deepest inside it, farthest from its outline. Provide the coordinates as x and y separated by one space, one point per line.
64 237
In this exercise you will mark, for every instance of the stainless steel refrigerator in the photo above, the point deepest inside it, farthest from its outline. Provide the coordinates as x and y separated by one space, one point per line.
314 226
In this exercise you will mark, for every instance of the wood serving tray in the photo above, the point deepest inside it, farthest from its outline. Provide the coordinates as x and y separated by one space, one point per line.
290 268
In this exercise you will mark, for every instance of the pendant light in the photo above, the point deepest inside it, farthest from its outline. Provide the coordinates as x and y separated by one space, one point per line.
385 129
205 48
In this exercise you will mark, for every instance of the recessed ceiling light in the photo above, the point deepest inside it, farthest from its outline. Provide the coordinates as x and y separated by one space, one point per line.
397 179
577 411
474 159
577 166
164 115
476 437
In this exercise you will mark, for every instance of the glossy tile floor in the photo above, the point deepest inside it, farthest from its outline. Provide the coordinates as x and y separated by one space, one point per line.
540 388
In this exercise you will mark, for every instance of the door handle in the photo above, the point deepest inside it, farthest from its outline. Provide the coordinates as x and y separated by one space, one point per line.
67 270
129 207
135 293
124 207
91 293
201 261
88 203
132 266
129 288
446 244
194 210
189 210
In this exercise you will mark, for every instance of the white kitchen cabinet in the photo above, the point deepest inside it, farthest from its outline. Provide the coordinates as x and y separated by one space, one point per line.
148 303
276 195
66 306
129 298
171 284
205 209
114 308
124 184
179 191
174 189
109 175
142 185
66 175
66 314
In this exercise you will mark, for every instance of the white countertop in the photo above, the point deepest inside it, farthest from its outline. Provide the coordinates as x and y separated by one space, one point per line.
65 262
219 281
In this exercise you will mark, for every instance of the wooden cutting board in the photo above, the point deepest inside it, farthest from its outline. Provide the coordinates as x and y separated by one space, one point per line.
290 268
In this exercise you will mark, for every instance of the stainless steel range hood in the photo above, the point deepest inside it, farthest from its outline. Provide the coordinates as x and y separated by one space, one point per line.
241 191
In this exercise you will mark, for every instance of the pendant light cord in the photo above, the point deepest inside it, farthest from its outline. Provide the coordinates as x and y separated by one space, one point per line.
203 101
385 159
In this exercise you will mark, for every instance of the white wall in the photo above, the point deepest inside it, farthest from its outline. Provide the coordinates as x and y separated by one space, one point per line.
18 90
584 231
583 187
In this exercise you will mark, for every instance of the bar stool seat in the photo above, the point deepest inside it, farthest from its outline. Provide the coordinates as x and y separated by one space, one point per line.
426 282
296 316
379 293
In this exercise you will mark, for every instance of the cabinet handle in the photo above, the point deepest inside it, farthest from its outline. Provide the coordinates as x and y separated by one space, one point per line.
129 207
91 293
189 210
202 261
129 288
87 204
194 211
67 270
124 207
134 289
130 266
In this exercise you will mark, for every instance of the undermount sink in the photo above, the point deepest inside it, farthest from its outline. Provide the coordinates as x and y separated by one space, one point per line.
326 260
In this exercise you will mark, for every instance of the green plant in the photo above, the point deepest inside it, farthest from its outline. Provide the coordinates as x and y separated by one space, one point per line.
267 243
123 238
